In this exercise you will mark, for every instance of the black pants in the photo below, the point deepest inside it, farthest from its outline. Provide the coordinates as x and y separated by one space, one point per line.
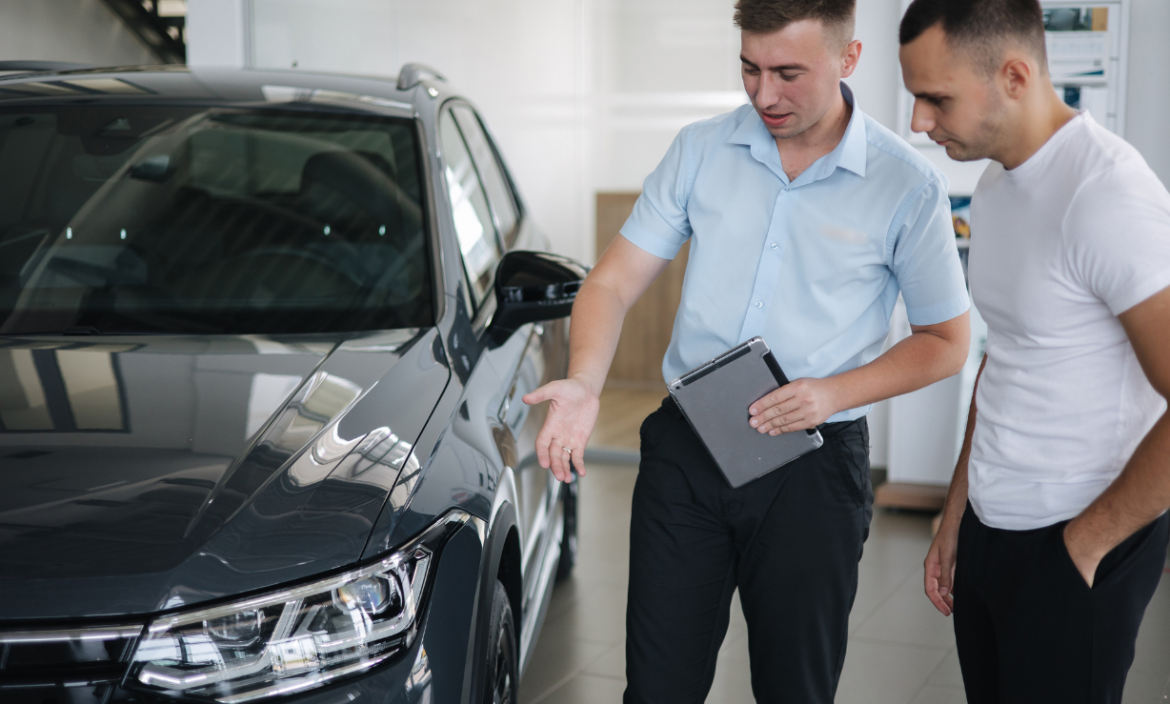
1029 628
789 541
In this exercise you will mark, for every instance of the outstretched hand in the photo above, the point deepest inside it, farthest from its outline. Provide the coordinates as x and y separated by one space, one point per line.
572 414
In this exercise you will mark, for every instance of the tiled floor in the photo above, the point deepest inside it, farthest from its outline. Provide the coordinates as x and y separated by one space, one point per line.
901 651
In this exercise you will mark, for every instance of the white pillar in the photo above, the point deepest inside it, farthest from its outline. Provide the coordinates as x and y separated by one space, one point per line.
219 33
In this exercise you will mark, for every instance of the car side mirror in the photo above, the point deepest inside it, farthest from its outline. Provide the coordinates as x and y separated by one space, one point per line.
533 287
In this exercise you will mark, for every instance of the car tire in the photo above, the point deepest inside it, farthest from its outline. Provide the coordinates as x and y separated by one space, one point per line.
568 559
502 683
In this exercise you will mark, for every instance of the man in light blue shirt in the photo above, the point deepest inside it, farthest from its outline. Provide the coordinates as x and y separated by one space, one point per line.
806 219
812 264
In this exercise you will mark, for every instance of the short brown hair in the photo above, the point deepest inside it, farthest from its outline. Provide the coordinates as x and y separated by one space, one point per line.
766 16
980 28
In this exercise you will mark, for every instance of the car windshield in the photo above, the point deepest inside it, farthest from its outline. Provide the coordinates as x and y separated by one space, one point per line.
181 219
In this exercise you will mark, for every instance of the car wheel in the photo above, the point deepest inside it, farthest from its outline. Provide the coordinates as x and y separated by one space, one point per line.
503 673
569 538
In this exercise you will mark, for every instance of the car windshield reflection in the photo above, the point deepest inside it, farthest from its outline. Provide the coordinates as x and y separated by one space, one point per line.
164 219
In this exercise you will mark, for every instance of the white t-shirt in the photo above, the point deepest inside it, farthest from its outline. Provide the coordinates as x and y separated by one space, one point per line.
1060 246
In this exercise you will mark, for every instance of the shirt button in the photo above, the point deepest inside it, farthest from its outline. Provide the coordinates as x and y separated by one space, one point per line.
759 304
775 246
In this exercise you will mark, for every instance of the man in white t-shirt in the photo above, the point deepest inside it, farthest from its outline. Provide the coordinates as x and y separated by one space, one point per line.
1055 530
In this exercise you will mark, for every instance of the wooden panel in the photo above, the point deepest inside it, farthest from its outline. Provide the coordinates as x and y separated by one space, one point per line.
621 415
919 497
646 332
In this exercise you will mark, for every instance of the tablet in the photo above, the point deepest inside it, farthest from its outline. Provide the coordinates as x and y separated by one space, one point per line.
715 398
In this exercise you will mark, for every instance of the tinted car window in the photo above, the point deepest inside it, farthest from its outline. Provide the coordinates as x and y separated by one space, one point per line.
478 240
209 220
499 193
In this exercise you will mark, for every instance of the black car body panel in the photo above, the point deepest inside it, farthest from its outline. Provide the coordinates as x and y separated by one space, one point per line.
186 505
233 465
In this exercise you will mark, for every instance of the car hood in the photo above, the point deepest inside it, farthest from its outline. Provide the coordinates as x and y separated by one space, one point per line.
139 474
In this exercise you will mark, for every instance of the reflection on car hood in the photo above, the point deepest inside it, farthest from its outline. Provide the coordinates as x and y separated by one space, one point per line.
144 473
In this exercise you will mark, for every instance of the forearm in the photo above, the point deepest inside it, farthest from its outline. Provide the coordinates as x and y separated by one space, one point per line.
596 326
913 363
1139 495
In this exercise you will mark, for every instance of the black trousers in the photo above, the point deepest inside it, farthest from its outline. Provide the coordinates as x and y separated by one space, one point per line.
789 541
1029 628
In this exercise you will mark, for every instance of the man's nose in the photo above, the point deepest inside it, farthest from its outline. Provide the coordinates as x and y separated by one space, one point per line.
769 92
922 118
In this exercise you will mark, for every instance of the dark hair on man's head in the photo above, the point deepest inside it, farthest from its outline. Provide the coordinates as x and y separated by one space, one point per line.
766 16
980 28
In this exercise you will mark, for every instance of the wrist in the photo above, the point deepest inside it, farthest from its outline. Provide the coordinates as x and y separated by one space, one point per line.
591 385
837 395
1077 543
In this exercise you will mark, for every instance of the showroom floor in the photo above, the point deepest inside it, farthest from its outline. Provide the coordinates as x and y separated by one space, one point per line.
901 651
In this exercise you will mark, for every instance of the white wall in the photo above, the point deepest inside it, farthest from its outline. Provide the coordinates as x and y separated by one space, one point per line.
583 95
79 31
1148 100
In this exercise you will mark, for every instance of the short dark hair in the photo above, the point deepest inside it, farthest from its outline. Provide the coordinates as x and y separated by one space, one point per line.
980 28
766 16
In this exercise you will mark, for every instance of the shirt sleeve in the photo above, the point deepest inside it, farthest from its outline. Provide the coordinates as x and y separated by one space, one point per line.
1117 233
924 258
659 223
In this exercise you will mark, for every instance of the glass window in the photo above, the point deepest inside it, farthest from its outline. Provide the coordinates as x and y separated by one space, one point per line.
221 220
478 240
499 193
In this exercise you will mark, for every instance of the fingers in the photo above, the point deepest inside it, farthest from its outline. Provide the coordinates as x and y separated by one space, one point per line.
538 396
931 588
946 582
543 441
775 412
559 460
578 462
933 579
788 424
779 396
797 419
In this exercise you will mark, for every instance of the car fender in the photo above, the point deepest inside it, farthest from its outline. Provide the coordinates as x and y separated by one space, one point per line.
501 547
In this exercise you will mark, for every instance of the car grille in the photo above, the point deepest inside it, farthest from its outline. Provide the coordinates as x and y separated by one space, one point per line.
65 666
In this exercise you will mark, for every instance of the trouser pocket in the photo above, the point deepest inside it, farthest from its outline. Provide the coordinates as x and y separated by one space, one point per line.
851 450
1119 561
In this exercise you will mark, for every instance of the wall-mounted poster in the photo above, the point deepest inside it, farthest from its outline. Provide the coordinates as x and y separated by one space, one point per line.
961 215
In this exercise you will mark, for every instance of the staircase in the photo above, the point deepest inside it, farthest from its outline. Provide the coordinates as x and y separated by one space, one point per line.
159 23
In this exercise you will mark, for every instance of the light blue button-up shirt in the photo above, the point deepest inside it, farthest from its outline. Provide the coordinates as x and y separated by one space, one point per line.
814 266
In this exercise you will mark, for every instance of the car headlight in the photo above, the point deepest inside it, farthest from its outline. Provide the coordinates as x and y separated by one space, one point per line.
297 638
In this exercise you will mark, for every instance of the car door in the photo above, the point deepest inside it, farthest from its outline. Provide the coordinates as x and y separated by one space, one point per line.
530 357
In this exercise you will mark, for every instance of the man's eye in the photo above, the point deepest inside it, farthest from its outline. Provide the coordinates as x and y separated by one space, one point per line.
789 76
750 71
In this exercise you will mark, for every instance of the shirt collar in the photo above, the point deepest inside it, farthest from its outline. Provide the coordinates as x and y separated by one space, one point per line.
849 153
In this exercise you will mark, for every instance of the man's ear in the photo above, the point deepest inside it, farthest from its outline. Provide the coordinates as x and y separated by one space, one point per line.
850 58
1016 75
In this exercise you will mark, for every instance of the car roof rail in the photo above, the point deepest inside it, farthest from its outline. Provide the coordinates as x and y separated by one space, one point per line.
41 66
412 74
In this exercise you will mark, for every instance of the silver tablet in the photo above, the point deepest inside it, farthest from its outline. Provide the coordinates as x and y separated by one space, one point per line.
715 398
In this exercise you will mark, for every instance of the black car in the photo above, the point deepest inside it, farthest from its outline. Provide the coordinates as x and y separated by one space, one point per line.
263 338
